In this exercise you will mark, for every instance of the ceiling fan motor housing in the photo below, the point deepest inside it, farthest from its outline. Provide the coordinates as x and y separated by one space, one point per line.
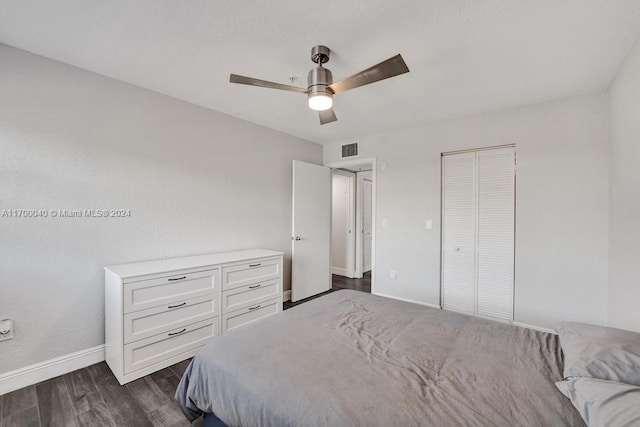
320 78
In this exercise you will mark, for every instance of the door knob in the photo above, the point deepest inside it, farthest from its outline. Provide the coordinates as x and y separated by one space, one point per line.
297 238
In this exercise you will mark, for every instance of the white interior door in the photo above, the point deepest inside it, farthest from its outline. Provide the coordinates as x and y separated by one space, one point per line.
495 239
459 232
311 230
367 224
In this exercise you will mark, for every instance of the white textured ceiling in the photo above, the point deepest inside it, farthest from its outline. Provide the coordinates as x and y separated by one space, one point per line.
465 56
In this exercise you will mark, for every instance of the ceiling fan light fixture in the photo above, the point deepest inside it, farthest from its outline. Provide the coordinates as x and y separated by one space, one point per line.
320 86
320 101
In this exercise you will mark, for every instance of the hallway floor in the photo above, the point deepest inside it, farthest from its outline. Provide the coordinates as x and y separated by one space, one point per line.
337 283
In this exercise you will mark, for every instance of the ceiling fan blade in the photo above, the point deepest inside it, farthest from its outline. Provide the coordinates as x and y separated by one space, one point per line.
234 78
327 116
389 68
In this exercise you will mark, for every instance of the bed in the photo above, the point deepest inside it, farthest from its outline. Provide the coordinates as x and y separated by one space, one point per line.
351 358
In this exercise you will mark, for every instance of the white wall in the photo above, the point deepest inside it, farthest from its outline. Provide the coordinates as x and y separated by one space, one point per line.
196 181
562 197
624 220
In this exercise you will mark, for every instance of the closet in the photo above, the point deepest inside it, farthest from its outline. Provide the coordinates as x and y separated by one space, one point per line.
478 227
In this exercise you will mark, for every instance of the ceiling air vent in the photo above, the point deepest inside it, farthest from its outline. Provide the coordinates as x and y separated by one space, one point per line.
350 150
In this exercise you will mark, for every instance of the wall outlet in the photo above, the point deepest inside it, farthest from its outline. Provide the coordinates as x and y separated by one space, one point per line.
6 329
392 274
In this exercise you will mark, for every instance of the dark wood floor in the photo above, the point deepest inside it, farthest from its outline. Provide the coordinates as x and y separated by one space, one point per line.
337 283
93 397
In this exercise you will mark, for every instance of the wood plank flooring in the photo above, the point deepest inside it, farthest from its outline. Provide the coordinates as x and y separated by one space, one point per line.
362 285
93 397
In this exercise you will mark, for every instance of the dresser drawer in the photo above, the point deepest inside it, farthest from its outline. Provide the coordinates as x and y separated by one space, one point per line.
140 295
157 348
250 314
249 295
153 321
250 273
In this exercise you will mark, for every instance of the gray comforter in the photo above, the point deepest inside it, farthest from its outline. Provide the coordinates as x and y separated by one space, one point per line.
353 359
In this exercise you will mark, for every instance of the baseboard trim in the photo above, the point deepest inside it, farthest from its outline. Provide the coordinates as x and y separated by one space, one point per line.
534 327
33 374
286 296
407 300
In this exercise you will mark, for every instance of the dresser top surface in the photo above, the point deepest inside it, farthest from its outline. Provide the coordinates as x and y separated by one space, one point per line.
182 263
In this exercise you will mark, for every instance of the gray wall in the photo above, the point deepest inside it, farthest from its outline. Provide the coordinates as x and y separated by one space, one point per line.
624 259
196 181
562 197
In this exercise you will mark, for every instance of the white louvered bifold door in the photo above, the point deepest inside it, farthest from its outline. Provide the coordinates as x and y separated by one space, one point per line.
495 233
478 195
458 232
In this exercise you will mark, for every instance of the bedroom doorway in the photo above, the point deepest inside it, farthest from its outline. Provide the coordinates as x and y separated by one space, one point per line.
352 230
311 231
343 223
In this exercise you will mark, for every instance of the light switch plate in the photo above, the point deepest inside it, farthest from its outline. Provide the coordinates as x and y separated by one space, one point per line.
384 223
429 224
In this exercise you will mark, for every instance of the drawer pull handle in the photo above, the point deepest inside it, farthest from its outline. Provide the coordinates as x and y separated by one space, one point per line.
255 265
173 279
255 308
177 305
255 286
176 333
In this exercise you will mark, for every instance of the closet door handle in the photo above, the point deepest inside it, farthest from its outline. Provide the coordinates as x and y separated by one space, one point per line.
173 279
255 265
255 308
255 286
177 305
177 333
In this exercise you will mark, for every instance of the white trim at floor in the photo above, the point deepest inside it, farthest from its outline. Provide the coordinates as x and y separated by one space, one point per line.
407 300
33 374
286 295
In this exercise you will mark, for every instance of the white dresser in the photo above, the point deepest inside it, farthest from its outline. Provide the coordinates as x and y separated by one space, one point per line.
158 313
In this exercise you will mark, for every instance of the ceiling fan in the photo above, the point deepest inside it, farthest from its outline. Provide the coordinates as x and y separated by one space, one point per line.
320 88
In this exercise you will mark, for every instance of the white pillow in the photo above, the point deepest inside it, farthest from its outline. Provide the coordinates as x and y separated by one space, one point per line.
603 403
600 352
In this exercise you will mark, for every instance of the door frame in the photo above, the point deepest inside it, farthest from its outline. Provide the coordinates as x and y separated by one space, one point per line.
360 220
350 268
369 161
